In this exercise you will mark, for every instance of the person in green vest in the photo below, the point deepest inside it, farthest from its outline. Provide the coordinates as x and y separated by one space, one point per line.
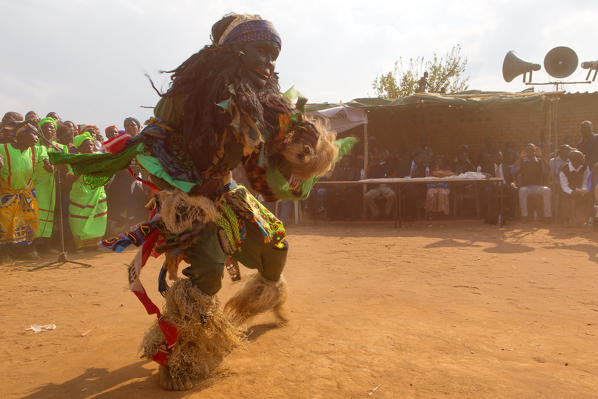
45 183
19 212
87 207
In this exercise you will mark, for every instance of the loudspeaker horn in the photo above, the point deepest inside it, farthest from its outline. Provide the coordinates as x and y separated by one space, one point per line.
514 66
592 66
560 62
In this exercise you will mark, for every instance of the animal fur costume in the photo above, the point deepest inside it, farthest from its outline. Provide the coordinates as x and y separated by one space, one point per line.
213 118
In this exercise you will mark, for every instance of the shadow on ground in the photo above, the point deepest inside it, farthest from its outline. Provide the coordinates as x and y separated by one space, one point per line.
464 233
131 381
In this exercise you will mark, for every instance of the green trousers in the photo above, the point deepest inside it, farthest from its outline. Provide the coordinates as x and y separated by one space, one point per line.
207 258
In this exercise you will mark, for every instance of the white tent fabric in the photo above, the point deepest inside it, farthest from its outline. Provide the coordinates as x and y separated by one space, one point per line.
342 118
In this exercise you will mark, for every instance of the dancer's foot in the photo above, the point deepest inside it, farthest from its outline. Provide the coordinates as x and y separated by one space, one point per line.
169 383
282 317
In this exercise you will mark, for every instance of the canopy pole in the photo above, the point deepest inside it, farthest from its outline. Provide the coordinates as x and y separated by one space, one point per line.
365 150
365 167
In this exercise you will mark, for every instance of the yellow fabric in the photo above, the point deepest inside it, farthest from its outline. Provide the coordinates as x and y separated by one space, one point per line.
19 214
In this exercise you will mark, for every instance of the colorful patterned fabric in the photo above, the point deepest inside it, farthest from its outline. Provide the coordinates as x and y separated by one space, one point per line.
253 31
136 237
170 150
18 214
247 209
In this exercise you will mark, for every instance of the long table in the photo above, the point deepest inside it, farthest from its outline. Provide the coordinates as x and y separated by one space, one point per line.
399 183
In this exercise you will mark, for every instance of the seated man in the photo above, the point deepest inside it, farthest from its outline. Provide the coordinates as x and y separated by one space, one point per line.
575 198
532 173
438 194
380 169
462 164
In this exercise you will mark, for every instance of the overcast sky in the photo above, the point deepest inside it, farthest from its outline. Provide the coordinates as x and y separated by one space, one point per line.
85 59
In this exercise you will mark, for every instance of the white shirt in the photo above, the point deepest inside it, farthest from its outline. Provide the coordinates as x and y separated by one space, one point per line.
565 183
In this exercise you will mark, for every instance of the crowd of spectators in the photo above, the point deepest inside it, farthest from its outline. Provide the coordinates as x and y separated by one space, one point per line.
550 189
33 192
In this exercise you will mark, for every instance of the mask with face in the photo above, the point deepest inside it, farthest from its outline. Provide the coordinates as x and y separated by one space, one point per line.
258 44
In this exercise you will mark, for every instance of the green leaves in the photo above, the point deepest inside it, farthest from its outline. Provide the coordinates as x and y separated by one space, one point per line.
446 71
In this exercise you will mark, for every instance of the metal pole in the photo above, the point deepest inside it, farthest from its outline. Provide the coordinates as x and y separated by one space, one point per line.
365 167
555 125
555 142
548 128
365 150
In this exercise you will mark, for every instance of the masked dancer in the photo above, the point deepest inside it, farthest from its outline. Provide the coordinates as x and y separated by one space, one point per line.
223 108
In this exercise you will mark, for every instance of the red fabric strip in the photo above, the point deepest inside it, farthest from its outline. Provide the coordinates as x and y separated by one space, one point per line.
8 160
148 246
85 206
116 144
160 357
147 303
170 332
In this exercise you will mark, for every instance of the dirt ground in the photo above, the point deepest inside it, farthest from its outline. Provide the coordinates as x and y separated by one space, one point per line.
454 309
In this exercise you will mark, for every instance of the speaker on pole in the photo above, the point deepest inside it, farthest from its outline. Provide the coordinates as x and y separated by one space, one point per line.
514 66
560 62
591 66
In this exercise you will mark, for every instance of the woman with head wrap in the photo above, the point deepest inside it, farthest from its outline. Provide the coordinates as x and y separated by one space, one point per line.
97 138
18 206
7 126
87 205
45 183
223 109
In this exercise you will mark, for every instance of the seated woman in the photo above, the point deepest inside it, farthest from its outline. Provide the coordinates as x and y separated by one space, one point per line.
87 209
437 195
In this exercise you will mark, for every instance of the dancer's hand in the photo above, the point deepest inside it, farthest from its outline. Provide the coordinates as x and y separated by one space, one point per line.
1 162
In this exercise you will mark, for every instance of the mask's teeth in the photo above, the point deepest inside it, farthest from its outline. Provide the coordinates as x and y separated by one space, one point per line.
294 182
